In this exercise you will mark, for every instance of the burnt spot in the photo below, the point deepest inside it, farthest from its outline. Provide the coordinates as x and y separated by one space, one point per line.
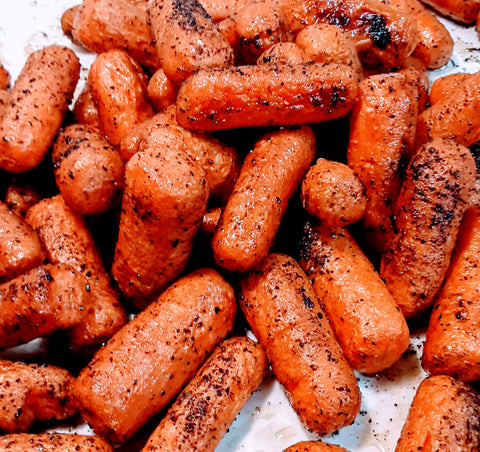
376 26
187 12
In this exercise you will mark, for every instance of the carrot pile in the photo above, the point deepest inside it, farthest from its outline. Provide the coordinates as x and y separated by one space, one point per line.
191 192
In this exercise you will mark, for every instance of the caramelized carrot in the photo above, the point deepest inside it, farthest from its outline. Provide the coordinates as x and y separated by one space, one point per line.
19 198
283 311
444 86
269 176
145 365
435 194
264 95
84 110
161 91
314 446
55 442
461 10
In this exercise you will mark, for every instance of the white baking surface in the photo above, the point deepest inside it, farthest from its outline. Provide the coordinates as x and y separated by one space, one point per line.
267 423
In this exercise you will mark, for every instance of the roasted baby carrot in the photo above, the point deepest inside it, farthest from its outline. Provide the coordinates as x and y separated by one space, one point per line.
444 415
461 10
4 78
20 197
119 91
265 95
67 240
314 446
31 393
39 100
283 311
208 405
186 38
41 301
164 200
20 247
451 345
161 91
435 194
84 110
444 86
145 365
269 176
382 132
88 170
54 442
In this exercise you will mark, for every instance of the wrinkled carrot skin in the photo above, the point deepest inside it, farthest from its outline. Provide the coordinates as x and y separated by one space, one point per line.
382 132
435 45
58 442
103 25
327 43
456 117
148 361
39 101
464 11
283 311
186 38
255 28
283 53
4 78
84 110
444 415
333 193
451 345
164 200
41 301
19 198
20 247
445 86
220 162
88 170
364 316
435 194
30 393
206 408
67 240
161 91
314 446
254 96
417 77
269 176
119 92
384 36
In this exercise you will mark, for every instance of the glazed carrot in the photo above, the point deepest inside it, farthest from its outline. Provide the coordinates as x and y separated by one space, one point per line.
67 240
210 220
19 198
164 200
269 176
67 22
451 346
283 53
333 193
382 131
58 442
435 194
4 78
220 162
221 9
20 247
327 43
283 311
4 102
186 38
460 10
444 415
39 100
206 408
364 316
455 117
102 25
30 393
119 91
84 110
384 36
435 45
314 446
264 95
444 86
161 91
88 170
254 28
149 360
41 301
